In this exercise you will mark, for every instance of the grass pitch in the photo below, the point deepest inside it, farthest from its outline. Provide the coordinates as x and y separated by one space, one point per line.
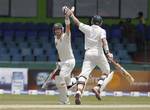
43 102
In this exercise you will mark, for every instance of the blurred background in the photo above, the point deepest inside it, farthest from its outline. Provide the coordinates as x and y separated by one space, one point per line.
28 53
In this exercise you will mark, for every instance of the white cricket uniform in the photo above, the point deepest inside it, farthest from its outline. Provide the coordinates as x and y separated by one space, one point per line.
66 56
94 55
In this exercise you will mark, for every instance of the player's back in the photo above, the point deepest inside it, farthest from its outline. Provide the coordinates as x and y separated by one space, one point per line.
93 35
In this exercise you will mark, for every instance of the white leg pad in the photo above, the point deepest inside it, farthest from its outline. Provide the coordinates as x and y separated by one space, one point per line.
63 93
106 81
82 79
68 80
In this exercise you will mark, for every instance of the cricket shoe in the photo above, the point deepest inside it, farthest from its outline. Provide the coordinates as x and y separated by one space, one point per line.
96 91
78 98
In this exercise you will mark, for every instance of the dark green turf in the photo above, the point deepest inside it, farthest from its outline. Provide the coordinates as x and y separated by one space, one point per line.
43 99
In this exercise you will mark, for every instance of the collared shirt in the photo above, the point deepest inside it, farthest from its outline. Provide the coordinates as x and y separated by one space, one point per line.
93 36
64 48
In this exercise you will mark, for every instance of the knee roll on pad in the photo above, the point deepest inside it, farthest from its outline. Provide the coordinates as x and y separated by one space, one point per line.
73 80
81 80
106 81
103 76
101 80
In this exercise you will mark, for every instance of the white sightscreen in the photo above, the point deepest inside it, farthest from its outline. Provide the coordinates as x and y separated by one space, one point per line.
23 8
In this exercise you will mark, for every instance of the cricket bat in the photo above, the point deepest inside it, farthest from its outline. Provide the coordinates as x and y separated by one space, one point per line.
124 72
50 77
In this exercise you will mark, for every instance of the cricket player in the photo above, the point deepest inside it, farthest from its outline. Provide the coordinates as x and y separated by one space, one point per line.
97 49
67 60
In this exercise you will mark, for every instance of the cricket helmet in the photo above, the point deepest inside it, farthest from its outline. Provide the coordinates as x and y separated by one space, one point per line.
58 26
97 20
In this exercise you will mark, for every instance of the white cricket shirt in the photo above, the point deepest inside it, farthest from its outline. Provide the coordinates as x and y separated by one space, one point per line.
93 36
64 48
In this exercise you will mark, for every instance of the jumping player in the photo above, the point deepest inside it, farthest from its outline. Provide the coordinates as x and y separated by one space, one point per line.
96 47
67 61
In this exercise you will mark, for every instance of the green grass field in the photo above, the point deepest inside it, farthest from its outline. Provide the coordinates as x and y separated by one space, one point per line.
43 102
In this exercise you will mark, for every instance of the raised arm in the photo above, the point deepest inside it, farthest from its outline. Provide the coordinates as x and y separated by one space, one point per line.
74 18
67 23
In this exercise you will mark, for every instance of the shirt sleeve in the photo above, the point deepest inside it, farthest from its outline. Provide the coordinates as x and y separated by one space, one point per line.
103 34
84 28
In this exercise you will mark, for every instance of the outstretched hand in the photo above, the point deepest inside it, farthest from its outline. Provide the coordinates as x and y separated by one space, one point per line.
67 12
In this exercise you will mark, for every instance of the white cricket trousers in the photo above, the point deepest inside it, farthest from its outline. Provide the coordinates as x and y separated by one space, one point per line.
64 79
93 58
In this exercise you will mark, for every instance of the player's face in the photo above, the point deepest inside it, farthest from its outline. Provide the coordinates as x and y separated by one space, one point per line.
58 32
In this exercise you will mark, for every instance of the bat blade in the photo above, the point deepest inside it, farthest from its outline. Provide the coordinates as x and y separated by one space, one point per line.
124 72
127 75
50 77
